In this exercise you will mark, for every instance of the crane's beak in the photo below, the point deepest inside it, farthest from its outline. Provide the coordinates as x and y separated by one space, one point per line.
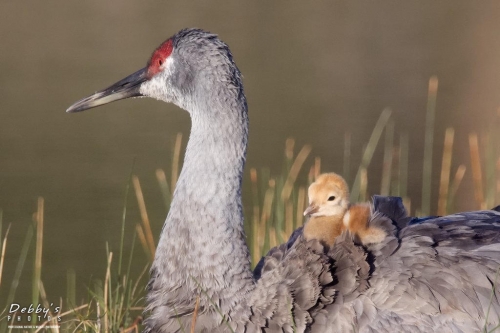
128 87
311 209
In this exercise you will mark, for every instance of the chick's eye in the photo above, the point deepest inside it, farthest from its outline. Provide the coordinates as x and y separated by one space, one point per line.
160 62
331 198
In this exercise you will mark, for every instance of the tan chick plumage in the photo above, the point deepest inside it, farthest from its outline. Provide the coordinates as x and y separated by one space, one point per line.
331 213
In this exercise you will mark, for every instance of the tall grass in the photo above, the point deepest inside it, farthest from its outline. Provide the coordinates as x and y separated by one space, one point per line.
429 146
114 299
37 271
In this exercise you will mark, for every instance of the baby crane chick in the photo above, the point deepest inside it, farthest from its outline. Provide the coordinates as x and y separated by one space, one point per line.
331 213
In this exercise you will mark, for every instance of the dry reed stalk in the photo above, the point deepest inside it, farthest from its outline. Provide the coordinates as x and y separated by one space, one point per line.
144 215
273 241
143 240
288 219
444 183
266 211
256 213
136 284
268 200
106 281
363 185
38 252
301 202
53 321
255 193
83 306
347 156
498 176
60 307
489 158
294 171
162 181
407 204
71 287
428 145
98 320
476 170
457 180
317 167
137 308
310 175
195 314
4 248
176 160
64 314
134 327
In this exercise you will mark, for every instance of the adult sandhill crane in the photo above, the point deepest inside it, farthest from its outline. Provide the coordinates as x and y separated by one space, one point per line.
431 276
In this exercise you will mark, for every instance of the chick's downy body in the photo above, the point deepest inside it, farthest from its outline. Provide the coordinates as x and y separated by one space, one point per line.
357 220
331 213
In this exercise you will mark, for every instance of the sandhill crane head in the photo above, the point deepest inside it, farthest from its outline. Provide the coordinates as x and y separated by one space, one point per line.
184 68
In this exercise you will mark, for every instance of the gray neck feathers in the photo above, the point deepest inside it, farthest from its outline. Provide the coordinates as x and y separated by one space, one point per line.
202 244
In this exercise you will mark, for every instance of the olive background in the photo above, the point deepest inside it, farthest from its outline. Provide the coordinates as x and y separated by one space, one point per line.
312 71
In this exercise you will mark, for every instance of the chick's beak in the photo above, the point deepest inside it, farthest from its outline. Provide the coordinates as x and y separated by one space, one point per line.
125 88
311 210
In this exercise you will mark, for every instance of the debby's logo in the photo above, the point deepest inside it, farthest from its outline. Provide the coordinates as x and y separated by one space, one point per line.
25 314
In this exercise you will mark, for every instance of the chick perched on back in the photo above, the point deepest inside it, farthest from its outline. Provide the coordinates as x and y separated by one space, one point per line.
331 213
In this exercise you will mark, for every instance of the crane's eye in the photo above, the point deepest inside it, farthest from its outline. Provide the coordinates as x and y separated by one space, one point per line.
160 62
331 198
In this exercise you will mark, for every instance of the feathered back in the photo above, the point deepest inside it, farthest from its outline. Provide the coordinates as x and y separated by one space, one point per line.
314 280
434 276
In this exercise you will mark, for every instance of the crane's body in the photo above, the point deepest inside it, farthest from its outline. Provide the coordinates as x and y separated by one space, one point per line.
437 274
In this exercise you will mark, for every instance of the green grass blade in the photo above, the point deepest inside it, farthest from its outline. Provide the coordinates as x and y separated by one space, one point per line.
403 165
444 183
128 281
385 186
346 169
124 215
164 188
369 150
71 288
3 248
17 273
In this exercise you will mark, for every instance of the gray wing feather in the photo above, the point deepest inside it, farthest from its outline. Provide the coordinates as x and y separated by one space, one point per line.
293 283
444 270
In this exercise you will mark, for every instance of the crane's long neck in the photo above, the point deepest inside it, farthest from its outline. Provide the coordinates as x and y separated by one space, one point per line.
202 249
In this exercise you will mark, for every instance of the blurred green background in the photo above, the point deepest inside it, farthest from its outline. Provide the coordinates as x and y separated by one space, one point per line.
312 71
